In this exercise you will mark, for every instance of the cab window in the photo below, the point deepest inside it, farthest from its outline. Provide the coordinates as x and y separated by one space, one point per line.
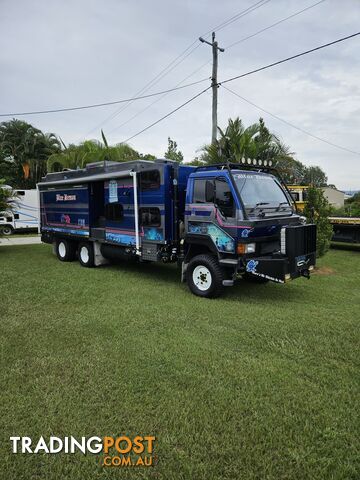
199 195
224 199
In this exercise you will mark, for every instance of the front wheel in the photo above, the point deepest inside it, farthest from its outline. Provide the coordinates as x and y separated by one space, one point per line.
204 276
86 254
6 230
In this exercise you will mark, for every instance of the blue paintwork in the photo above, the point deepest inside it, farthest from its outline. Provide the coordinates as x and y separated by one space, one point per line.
83 233
237 228
121 239
222 240
153 234
71 214
64 209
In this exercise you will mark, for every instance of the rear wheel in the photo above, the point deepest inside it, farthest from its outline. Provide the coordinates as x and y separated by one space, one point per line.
65 250
6 230
204 276
86 254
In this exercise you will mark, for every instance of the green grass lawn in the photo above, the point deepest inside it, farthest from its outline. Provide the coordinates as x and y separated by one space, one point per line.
24 234
262 383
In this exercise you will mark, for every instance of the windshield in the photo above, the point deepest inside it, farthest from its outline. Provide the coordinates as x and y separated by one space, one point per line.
260 190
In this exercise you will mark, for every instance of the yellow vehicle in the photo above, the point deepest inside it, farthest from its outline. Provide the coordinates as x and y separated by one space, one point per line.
346 229
299 194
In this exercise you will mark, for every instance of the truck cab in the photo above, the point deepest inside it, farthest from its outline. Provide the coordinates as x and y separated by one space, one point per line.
241 221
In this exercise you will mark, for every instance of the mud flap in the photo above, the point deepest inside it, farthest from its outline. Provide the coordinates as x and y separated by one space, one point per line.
183 272
269 268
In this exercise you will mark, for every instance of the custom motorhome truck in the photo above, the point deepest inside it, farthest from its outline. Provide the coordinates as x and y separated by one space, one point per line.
218 222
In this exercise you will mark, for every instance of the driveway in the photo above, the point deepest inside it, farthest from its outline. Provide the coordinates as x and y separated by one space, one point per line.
26 240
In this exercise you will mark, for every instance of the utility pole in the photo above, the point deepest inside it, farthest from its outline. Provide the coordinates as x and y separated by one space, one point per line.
214 84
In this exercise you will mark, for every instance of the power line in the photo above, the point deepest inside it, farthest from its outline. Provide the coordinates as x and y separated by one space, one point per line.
167 115
104 104
274 24
149 85
289 58
249 73
152 103
184 86
179 59
157 78
291 124
207 63
236 17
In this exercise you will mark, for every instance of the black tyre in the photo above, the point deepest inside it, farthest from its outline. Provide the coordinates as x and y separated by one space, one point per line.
65 250
86 254
249 277
6 229
204 276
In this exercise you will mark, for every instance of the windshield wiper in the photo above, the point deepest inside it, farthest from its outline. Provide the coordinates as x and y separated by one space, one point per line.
283 203
258 205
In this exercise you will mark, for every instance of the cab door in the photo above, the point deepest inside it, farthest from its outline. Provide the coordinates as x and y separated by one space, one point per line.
211 212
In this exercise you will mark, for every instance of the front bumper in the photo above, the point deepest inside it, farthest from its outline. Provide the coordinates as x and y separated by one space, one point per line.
278 268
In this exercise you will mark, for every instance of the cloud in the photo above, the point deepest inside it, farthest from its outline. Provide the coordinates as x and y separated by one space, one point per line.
63 53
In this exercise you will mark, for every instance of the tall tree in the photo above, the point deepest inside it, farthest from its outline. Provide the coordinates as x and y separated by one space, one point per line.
7 197
291 170
24 151
315 176
172 152
89 151
237 144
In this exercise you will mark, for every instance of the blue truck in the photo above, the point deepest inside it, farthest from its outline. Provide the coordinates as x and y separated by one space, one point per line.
218 222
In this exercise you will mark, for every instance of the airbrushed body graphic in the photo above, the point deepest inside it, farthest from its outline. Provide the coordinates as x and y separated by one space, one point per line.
234 221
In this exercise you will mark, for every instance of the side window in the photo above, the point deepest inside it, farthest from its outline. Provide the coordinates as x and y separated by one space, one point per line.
150 217
21 193
150 180
199 191
16 216
224 198
114 212
295 196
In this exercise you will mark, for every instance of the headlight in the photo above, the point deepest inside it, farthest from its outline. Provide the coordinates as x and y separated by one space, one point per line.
250 247
246 248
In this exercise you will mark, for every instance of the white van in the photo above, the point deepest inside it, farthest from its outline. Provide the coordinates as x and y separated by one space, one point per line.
25 214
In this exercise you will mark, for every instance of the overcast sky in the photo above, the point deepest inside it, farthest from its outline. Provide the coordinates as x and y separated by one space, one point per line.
63 53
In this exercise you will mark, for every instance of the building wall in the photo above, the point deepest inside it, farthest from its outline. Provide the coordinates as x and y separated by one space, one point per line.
334 197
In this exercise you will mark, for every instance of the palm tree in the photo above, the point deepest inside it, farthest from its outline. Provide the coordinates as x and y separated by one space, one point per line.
7 197
237 144
27 149
89 151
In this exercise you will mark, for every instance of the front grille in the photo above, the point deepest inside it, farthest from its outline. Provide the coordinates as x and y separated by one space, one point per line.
300 240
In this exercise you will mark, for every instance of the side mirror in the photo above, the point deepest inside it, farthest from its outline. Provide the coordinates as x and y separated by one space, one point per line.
209 191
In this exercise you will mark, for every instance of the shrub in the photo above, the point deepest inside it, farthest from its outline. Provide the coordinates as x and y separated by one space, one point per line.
317 210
